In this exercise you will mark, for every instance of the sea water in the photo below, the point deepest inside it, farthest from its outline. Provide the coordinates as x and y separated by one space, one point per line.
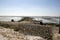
19 18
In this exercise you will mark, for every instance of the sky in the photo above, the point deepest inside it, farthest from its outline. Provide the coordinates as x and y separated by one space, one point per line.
29 7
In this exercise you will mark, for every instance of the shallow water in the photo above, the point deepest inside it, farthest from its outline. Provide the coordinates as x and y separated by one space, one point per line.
19 18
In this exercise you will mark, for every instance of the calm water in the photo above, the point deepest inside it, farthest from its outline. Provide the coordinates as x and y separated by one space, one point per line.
19 18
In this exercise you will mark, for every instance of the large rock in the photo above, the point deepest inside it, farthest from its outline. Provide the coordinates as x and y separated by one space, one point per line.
10 34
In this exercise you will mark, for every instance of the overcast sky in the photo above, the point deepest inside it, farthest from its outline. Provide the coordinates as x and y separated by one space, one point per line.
30 7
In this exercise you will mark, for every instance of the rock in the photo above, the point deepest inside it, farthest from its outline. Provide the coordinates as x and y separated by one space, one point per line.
29 37
10 34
